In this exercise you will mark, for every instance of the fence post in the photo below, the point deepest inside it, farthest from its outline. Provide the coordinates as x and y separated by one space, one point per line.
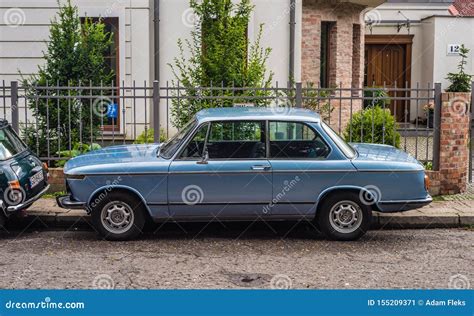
471 118
437 126
156 111
14 106
299 95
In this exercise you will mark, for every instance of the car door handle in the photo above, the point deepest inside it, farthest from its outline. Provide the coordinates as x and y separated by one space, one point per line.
261 168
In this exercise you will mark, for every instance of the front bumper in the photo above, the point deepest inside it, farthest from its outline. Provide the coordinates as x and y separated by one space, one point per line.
66 202
24 205
402 206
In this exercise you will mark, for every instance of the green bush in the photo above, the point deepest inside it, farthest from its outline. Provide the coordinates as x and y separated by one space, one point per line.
460 81
370 123
146 137
377 97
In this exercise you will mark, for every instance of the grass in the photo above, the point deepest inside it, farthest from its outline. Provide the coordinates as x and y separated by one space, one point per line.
53 195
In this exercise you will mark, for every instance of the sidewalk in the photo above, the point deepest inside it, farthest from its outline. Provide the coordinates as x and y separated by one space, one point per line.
455 213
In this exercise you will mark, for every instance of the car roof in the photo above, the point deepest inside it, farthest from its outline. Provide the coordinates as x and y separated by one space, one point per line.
257 113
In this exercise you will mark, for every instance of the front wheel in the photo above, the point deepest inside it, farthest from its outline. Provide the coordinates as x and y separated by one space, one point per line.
118 217
344 217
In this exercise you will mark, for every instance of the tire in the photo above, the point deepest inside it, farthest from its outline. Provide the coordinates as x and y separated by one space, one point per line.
119 216
3 220
343 216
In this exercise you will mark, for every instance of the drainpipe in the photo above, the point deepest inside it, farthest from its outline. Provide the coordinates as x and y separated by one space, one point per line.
291 71
156 34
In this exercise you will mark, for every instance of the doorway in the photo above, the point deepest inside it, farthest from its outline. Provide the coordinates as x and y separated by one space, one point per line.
388 63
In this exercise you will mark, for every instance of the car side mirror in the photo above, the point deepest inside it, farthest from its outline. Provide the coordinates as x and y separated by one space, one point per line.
204 158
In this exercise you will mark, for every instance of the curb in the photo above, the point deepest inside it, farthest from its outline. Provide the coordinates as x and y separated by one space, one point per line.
380 221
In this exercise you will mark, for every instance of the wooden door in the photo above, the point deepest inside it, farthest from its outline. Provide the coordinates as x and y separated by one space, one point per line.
388 64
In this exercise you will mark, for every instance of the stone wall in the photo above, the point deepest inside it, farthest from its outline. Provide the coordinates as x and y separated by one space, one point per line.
56 180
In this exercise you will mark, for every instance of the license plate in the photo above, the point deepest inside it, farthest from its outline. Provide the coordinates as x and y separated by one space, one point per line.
36 179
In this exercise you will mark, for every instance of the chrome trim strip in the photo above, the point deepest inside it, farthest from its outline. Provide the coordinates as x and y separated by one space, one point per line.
241 203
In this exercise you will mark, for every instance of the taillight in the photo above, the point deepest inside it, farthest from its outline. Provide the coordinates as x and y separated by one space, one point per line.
15 184
427 182
46 168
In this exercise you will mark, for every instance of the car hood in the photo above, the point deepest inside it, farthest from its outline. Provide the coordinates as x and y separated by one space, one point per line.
114 155
379 155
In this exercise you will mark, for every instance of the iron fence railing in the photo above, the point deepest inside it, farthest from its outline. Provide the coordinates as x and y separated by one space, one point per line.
57 120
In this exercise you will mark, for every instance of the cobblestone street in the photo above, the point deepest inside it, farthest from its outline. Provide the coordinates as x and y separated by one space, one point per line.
214 256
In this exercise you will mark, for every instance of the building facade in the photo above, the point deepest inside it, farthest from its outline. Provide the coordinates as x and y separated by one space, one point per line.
311 40
414 43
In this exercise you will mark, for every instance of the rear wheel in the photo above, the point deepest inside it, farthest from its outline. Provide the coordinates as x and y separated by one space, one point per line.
119 216
344 217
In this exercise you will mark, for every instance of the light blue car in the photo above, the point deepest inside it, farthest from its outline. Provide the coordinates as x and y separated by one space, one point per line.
245 164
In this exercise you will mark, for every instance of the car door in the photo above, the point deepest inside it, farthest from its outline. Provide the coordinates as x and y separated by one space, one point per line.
303 166
233 182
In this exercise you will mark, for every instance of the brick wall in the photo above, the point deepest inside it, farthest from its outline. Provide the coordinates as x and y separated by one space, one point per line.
346 61
56 180
452 176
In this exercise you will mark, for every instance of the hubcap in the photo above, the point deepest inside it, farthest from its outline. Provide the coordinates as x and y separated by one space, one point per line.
117 217
345 217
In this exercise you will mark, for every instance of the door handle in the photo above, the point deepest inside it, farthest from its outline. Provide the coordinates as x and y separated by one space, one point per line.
262 168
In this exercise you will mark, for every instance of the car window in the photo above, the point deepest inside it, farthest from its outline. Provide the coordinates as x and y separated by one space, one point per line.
171 146
232 139
10 144
296 140
195 147
341 143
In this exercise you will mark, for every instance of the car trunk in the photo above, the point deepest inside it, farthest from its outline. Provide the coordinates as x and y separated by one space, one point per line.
30 173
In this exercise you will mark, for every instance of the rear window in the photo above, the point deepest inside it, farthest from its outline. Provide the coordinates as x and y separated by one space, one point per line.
10 143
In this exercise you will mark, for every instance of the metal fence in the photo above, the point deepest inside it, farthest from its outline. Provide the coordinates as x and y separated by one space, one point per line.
57 121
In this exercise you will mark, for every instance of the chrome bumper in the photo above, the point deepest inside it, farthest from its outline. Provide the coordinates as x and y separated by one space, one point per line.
402 206
21 206
65 202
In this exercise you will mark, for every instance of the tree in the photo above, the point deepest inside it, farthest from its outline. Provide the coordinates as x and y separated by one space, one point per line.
219 55
75 57
460 81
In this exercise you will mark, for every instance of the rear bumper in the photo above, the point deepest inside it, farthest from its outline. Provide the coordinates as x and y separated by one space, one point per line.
66 202
402 206
24 205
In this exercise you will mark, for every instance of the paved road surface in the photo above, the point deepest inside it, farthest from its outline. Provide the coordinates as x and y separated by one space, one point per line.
236 256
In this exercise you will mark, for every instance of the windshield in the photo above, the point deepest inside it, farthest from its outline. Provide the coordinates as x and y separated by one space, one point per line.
169 148
10 143
341 143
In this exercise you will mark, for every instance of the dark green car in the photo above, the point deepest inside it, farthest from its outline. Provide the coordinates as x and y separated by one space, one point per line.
23 177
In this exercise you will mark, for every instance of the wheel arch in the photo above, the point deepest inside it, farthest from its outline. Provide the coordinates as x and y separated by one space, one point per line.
115 188
345 188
